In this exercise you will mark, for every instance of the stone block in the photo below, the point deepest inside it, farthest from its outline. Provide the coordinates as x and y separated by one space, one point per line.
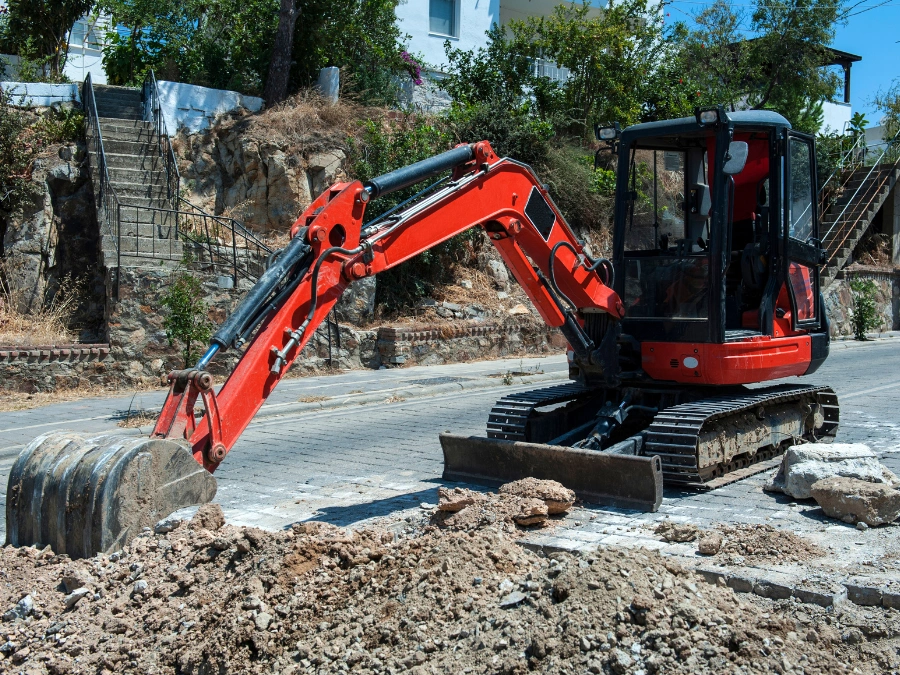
854 500
774 590
803 465
711 576
860 594
740 584
822 597
890 599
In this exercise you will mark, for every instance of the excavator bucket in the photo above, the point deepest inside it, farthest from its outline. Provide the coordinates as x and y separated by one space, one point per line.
600 478
84 496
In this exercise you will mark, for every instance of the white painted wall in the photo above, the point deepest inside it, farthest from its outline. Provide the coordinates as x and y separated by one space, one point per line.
836 116
193 107
32 94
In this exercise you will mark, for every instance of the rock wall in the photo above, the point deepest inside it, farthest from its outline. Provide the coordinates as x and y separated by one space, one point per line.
51 234
263 185
839 299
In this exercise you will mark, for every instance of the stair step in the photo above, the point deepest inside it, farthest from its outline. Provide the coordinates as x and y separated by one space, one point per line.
142 147
125 124
140 176
145 190
142 245
150 161
158 231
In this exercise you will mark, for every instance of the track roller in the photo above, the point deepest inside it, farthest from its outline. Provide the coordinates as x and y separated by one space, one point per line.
84 496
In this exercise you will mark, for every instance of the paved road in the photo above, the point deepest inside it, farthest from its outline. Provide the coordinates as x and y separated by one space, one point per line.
355 462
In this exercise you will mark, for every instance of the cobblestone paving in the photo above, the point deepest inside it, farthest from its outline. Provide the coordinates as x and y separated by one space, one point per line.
358 462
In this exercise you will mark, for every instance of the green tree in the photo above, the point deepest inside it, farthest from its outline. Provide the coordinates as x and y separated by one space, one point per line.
38 30
888 104
187 321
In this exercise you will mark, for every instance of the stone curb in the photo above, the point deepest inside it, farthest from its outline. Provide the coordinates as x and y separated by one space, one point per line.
344 401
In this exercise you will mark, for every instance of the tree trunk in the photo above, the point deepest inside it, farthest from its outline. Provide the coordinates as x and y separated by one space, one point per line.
282 51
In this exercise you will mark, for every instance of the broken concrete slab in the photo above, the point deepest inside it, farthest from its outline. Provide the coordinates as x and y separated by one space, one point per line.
857 501
803 465
869 596
820 596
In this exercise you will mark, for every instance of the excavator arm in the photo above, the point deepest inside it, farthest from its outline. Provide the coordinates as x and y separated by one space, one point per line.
331 247
83 495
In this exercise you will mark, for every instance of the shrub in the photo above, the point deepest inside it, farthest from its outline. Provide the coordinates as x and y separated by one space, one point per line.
187 321
18 146
865 313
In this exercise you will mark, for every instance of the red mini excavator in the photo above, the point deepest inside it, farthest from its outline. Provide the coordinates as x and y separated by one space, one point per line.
712 286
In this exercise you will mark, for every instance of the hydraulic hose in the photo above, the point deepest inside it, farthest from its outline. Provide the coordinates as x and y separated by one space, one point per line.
247 311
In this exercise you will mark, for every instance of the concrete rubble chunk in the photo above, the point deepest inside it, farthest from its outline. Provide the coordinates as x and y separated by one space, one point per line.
857 501
557 497
803 465
531 512
75 596
710 543
456 499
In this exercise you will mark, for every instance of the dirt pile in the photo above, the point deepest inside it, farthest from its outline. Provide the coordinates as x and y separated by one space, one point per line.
527 502
319 599
763 543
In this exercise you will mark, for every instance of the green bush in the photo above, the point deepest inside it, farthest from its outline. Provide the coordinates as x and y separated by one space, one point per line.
187 321
61 124
865 312
18 146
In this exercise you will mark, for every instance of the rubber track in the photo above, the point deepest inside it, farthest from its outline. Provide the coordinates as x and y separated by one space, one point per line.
509 416
674 434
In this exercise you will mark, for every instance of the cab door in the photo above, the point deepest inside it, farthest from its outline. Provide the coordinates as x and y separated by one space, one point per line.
803 250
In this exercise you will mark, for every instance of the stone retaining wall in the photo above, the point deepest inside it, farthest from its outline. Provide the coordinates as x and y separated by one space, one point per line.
839 299
139 353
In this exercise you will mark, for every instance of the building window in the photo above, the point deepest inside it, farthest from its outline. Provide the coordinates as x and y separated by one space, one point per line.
442 17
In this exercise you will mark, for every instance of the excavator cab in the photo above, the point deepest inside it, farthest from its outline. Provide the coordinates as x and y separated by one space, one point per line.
716 249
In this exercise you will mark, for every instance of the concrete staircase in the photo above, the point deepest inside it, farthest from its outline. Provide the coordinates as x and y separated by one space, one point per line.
848 217
137 174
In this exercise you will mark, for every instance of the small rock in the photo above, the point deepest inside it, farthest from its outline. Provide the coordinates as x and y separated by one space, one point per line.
140 587
499 272
502 295
677 532
531 512
519 310
710 543
72 598
861 525
22 609
165 526
619 662
262 620
870 503
584 644
465 283
456 499
452 306
512 599
208 517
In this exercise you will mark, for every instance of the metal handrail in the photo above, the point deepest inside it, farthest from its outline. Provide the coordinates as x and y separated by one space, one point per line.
153 113
251 264
875 165
840 169
106 199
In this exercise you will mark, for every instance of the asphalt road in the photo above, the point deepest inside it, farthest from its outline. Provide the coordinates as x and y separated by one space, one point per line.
351 463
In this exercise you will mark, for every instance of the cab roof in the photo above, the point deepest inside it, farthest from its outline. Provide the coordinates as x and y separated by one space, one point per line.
682 125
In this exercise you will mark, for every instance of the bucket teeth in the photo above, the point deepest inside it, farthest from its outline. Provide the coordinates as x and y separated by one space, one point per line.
83 496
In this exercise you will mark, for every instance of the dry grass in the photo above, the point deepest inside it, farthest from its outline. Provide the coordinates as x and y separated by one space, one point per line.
14 401
45 325
875 251
138 418
313 399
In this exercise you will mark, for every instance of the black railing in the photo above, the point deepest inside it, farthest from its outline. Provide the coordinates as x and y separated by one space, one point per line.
106 199
222 242
153 113
176 230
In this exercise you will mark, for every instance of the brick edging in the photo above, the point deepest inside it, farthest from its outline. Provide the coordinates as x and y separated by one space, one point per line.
444 332
49 353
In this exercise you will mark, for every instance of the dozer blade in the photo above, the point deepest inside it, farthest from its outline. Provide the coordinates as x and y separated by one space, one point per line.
616 480
84 496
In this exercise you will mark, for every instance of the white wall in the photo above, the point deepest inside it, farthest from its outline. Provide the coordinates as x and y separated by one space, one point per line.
27 94
187 105
836 116
475 19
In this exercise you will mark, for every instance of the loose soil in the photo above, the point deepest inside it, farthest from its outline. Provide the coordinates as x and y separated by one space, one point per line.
763 543
206 598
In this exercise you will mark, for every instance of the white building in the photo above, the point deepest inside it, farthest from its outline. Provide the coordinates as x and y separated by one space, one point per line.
463 23
86 40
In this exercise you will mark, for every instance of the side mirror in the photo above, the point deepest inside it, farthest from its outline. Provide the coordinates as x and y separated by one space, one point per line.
735 158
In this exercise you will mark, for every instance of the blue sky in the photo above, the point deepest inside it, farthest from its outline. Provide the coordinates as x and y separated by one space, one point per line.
873 34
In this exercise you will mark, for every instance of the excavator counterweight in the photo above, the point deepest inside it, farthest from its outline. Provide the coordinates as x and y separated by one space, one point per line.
712 285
